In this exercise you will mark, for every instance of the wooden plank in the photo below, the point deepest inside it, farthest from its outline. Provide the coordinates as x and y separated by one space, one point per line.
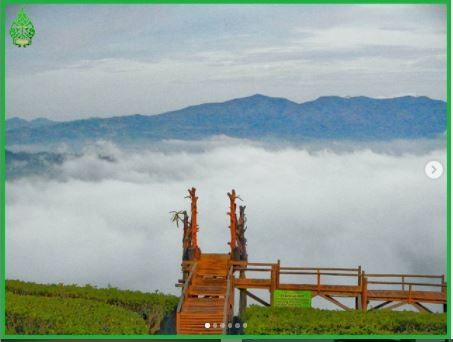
397 295
394 306
322 273
334 301
353 290
390 275
319 268
421 307
377 307
258 299
252 283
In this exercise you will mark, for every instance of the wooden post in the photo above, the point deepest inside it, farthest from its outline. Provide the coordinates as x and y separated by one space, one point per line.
240 233
359 282
444 290
233 222
318 280
273 282
364 298
193 222
409 298
243 255
277 274
242 295
186 236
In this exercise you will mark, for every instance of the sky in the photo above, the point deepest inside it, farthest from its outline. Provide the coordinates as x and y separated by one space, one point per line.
108 60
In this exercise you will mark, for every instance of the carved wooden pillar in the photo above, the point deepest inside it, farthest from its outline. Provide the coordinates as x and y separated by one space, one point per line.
240 234
186 236
194 250
242 244
233 225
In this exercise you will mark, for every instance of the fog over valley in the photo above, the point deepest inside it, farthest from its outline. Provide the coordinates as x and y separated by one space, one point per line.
100 215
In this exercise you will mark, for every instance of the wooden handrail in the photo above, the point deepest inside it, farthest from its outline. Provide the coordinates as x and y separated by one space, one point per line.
406 283
186 286
323 273
257 263
227 304
383 275
295 273
319 268
252 269
270 264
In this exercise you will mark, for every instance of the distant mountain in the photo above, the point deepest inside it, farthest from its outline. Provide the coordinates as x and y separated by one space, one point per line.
15 123
259 117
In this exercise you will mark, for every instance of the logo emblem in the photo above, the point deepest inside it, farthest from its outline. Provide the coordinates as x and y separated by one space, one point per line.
22 30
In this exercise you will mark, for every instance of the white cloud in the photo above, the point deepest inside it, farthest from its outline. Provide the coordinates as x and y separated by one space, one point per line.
105 222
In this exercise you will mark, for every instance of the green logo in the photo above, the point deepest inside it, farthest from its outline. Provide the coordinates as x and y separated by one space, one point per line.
292 299
22 30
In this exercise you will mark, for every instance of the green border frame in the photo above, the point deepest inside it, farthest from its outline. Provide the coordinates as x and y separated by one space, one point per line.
3 39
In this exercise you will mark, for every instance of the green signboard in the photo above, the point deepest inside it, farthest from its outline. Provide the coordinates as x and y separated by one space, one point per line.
292 299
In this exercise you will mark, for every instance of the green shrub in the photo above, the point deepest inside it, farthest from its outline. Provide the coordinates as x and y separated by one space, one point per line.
152 307
57 316
274 320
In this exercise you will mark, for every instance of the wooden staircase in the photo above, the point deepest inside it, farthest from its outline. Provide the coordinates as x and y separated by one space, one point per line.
207 297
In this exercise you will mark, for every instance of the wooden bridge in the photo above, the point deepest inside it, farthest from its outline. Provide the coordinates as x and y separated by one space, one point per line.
209 281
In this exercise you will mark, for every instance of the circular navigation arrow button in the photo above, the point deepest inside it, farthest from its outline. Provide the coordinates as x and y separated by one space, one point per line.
434 169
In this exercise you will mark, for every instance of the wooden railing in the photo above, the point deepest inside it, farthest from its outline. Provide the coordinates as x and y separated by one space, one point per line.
229 300
359 286
184 293
276 271
401 279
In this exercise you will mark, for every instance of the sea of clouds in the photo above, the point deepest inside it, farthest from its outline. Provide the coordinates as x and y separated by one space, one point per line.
104 218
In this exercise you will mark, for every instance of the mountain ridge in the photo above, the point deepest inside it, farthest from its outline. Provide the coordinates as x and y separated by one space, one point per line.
257 117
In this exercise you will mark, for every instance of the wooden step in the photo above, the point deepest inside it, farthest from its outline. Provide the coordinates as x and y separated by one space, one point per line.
211 331
189 318
205 301
215 256
202 309
209 282
210 272
205 293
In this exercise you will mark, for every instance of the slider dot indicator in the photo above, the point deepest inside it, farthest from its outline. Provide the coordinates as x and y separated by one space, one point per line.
207 325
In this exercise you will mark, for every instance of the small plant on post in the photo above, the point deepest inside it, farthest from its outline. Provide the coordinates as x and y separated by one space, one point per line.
182 217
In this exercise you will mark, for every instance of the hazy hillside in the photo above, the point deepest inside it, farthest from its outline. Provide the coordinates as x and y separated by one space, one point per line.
258 117
21 164
15 122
